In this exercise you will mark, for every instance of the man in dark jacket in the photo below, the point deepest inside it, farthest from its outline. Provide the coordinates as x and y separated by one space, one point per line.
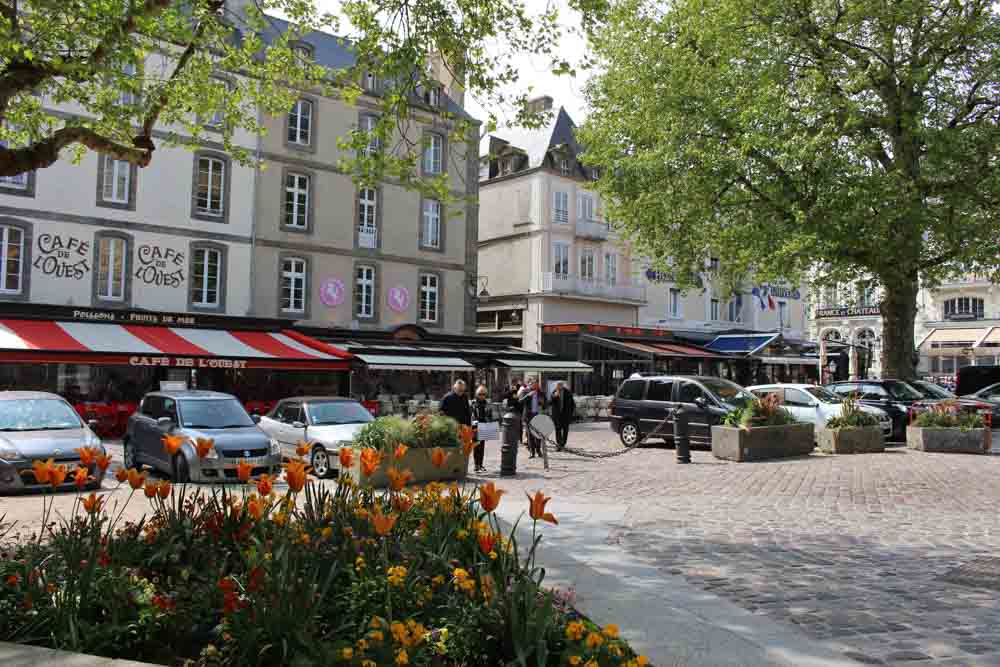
532 400
456 405
563 409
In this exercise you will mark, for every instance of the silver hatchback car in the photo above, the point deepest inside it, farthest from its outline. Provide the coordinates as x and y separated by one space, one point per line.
196 414
36 425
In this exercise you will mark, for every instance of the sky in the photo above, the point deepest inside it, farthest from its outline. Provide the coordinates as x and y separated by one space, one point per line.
535 71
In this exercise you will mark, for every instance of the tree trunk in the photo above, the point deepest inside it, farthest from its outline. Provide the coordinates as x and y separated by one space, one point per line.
899 311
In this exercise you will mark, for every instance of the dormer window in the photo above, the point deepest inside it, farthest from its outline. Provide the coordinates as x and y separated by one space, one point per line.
371 81
564 167
506 166
432 96
303 52
595 174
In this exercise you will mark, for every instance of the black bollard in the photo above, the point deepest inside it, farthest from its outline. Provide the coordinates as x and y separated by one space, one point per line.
681 441
510 441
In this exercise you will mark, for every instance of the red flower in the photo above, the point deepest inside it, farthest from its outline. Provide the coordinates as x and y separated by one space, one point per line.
103 461
87 455
13 580
264 485
164 603
486 542
243 470
255 580
80 477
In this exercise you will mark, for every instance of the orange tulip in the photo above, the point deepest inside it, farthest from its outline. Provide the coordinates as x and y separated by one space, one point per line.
172 444
136 479
255 507
400 451
92 503
537 508
489 496
439 457
382 523
370 461
87 455
43 470
397 479
303 448
346 457
57 475
150 489
103 461
264 485
295 474
486 542
121 474
163 489
243 470
80 478
466 435
203 446
402 503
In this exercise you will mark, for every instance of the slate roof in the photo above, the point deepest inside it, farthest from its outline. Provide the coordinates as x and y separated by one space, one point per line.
535 143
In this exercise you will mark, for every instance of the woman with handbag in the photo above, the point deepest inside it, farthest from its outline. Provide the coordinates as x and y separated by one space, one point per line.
480 413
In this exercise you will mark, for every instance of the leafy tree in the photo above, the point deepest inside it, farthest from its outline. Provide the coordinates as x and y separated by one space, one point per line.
129 74
850 139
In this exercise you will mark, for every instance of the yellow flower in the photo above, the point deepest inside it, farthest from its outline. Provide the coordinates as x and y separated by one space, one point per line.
574 630
438 580
594 640
359 563
615 651
402 658
397 575
376 635
362 645
347 653
327 533
368 663
574 660
304 538
591 663
461 534
611 631
642 661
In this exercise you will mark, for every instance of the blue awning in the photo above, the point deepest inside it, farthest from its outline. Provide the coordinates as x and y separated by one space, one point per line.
740 344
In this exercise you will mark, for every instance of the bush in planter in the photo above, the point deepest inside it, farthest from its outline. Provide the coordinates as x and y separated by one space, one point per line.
853 431
316 575
949 414
422 432
851 416
766 411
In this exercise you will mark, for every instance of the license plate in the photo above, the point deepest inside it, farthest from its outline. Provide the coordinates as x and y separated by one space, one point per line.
257 461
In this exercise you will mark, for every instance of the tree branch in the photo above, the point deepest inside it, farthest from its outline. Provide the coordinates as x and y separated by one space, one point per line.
44 153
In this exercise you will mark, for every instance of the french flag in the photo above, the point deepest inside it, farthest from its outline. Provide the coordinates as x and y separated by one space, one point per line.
757 292
770 302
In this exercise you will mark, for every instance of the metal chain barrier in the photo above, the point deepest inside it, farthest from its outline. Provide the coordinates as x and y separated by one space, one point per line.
583 453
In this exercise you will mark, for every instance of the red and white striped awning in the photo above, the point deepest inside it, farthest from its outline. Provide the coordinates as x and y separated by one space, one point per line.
44 341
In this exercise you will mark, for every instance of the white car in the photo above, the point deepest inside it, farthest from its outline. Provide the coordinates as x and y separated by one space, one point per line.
815 405
327 423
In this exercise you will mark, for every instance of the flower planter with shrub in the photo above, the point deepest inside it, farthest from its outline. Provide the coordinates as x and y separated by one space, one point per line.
947 428
853 431
425 449
761 430
312 575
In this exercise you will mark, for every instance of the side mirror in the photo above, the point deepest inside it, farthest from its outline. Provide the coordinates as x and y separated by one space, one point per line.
165 423
92 423
298 425
701 402
255 418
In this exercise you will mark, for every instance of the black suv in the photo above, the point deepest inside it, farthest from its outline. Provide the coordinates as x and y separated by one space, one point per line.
642 404
894 396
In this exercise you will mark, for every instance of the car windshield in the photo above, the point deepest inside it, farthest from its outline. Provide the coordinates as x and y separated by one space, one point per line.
338 412
824 395
37 414
931 390
213 413
729 392
902 391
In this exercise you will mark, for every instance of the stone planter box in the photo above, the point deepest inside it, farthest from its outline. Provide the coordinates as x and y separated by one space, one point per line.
762 442
418 461
857 440
948 440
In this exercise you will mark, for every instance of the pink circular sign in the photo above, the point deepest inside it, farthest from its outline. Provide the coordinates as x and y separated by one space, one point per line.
398 298
332 292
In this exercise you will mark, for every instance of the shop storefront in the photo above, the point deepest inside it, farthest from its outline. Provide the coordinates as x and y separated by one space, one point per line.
766 358
103 361
944 350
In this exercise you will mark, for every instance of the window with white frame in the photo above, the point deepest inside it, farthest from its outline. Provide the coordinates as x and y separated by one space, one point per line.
564 167
611 268
735 309
11 254
364 292
300 123
783 314
866 295
964 307
112 266
117 175
428 297
674 303
17 181
126 97
714 310
368 126
560 259
561 207
371 82
206 270
296 200
587 264
432 96
211 186
367 218
586 207
433 153
293 285
432 223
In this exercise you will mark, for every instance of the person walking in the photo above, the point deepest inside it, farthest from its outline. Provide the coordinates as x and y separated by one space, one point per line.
456 405
532 402
480 414
562 409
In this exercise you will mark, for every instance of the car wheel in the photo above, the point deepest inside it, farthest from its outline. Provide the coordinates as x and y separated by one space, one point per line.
629 434
128 455
183 470
320 462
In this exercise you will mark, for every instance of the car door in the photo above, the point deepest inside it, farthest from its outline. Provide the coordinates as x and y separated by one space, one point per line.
154 450
143 426
289 436
699 412
801 406
628 402
659 400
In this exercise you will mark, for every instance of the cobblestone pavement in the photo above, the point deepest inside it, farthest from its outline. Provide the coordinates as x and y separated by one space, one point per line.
858 552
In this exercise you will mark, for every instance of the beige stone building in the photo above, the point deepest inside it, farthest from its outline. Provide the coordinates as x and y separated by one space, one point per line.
547 255
328 253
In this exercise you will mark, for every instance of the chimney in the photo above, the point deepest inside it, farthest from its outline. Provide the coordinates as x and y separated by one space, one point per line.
540 104
449 75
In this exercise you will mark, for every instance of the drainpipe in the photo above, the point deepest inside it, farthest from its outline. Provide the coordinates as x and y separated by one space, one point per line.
251 310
